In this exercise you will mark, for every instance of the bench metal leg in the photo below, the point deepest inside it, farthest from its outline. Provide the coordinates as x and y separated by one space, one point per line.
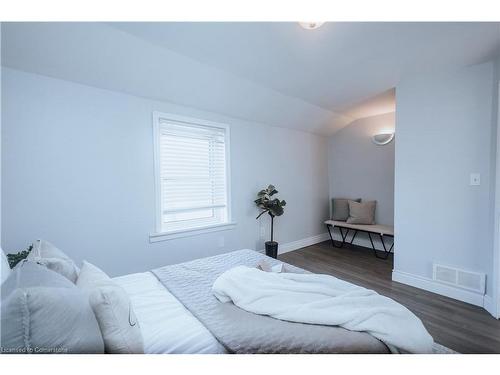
386 252
354 235
344 236
330 233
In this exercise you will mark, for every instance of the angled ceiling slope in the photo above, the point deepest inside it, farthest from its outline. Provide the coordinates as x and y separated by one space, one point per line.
274 73
105 57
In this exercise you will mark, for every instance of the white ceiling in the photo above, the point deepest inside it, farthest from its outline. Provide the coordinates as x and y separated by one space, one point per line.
275 73
333 66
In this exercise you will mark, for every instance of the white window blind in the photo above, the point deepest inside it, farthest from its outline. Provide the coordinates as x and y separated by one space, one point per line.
192 175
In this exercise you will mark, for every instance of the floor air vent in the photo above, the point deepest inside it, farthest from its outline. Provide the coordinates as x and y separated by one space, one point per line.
473 281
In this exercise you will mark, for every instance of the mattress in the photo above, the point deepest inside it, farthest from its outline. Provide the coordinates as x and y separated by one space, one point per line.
166 325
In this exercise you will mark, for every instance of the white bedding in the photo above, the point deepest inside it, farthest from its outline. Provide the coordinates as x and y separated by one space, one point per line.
166 325
326 300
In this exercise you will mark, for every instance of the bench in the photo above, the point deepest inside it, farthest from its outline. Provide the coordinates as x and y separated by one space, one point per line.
376 229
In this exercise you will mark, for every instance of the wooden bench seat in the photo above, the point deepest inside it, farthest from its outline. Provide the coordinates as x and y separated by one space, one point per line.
375 228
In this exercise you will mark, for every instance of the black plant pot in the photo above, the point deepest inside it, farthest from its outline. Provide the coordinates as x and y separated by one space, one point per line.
272 249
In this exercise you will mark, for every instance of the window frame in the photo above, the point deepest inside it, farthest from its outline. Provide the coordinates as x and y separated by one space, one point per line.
160 234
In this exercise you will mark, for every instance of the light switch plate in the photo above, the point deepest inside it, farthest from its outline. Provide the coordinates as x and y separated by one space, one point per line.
475 179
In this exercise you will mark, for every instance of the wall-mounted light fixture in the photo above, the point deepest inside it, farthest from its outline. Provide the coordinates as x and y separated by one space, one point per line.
382 138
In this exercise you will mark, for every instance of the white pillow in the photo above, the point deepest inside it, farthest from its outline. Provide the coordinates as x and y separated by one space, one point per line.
4 267
113 310
48 255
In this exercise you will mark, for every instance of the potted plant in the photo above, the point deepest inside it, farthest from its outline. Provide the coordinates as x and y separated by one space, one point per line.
274 207
14 259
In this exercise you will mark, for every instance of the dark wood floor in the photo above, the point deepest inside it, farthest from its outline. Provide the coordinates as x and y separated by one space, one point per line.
457 325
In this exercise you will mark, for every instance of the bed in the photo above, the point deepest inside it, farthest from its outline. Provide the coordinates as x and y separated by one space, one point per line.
206 305
168 326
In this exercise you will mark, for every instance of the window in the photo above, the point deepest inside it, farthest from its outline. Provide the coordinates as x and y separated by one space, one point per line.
191 158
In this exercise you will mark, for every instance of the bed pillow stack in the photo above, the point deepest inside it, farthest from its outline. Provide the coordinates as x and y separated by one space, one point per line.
43 312
112 308
42 307
353 211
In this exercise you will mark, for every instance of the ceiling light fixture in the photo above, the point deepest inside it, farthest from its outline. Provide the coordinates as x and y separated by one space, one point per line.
311 25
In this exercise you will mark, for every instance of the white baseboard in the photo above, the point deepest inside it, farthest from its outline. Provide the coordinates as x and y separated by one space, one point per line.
489 305
435 287
295 245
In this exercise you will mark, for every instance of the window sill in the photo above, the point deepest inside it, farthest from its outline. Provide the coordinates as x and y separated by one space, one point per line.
166 236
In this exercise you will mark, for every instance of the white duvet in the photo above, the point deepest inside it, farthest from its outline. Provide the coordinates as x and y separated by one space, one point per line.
326 300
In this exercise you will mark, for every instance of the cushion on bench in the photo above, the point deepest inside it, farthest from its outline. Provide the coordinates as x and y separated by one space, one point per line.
340 208
362 212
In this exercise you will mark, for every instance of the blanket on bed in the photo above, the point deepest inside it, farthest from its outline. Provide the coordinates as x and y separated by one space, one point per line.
324 299
240 331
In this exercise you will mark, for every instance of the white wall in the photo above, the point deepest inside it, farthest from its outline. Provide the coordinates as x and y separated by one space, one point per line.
444 131
78 171
0 135
360 169
496 209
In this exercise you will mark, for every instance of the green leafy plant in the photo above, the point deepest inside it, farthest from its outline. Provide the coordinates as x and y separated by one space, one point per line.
14 259
270 205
